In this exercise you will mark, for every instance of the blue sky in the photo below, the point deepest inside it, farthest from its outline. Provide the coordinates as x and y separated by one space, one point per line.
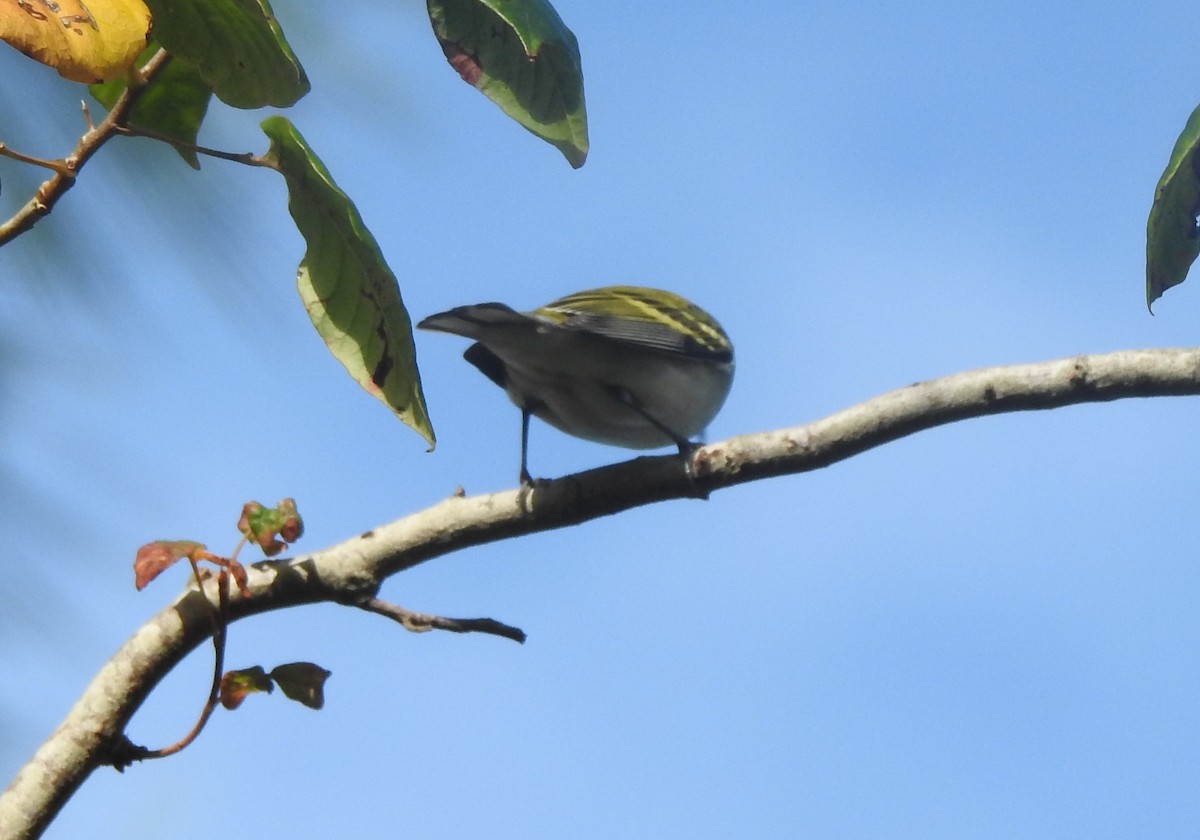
986 630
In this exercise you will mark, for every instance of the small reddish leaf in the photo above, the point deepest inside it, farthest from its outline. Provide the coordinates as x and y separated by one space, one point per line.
236 685
153 558
271 529
303 682
292 527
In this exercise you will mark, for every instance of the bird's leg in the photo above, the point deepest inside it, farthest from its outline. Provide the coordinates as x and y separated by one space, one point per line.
686 447
526 479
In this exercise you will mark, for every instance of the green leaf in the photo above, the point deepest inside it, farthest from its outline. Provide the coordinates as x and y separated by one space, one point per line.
238 47
1172 234
350 293
303 682
237 685
271 529
173 104
521 55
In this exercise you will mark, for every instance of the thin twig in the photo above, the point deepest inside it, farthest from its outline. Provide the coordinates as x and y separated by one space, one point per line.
423 623
220 619
53 165
65 171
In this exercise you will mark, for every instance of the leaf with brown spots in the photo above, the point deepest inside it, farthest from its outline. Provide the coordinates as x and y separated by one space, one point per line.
84 43
520 55
350 293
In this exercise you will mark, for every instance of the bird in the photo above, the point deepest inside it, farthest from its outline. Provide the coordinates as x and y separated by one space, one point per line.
627 366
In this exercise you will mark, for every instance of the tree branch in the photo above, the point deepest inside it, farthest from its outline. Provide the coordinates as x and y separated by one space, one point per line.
66 170
351 572
422 623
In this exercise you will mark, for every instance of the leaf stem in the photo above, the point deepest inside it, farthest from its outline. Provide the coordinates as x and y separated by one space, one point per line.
247 158
220 620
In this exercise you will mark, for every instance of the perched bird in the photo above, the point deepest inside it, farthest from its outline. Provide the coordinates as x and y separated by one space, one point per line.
623 365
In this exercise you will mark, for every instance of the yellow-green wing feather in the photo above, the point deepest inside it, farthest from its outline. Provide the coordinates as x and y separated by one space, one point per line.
649 317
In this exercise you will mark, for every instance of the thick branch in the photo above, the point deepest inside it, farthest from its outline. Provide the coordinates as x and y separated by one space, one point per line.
352 571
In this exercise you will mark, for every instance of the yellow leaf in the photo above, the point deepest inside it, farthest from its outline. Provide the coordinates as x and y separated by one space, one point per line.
88 43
